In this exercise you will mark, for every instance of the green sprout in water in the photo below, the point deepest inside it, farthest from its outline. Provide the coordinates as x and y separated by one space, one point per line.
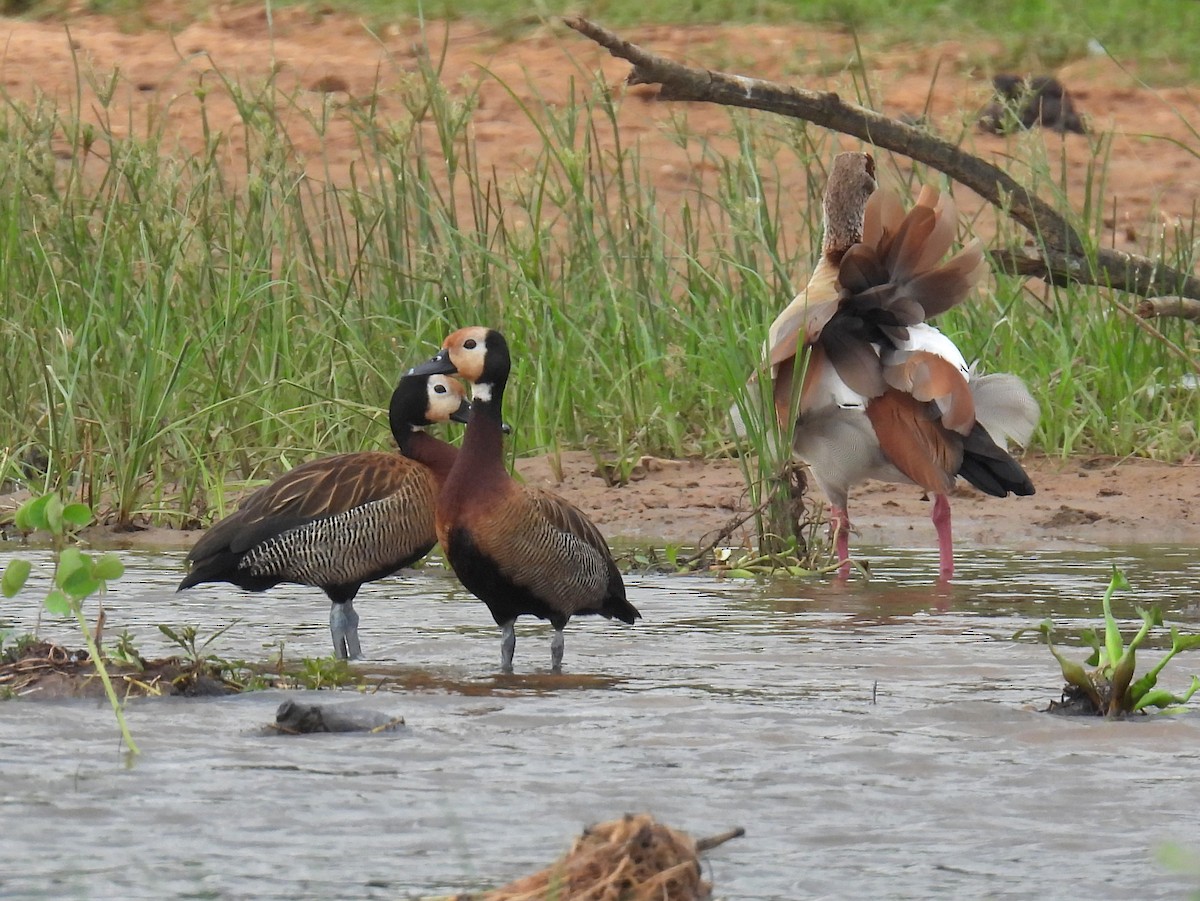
77 576
1109 688
788 560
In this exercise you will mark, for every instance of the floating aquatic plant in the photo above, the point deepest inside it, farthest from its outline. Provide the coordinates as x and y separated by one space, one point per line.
1109 688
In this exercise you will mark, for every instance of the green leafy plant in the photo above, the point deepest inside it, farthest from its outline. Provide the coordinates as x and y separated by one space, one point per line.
790 560
241 675
324 672
77 577
1109 688
188 640
125 652
199 663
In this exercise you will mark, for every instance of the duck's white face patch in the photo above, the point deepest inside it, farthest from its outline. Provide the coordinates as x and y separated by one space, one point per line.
482 391
443 395
468 351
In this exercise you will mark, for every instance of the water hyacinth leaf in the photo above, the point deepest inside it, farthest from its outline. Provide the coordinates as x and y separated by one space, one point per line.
77 515
1150 619
1045 627
1187 695
1076 675
1092 640
1178 643
109 567
1160 697
1123 696
1138 690
1121 677
15 575
1183 642
740 574
1163 699
1113 646
1073 672
58 603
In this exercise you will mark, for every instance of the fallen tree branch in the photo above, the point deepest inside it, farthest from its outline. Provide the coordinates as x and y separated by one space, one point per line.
1065 256
1111 269
1180 307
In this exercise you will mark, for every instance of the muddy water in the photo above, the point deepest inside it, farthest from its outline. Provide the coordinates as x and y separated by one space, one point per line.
876 740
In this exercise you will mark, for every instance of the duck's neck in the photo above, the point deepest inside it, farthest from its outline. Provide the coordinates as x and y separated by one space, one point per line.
483 445
419 445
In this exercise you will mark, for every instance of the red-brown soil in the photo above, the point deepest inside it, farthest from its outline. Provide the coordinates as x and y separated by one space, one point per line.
1152 183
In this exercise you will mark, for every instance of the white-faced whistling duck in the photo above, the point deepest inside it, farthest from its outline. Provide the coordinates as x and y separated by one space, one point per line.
884 394
344 520
518 549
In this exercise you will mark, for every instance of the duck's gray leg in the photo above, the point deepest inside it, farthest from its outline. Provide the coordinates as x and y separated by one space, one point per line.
508 645
343 626
557 644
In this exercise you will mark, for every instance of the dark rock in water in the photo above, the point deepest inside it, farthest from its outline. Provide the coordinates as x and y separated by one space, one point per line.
296 719
1042 100
1076 702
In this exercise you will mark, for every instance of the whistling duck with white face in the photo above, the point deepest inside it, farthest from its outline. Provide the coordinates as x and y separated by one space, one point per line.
884 395
344 520
518 549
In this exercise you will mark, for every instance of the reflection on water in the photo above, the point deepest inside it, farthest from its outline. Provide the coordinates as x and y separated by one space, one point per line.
876 740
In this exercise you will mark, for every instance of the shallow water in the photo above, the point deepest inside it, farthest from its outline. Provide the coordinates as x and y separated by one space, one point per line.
875 740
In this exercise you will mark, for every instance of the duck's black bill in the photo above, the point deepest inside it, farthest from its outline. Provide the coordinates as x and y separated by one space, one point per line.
439 365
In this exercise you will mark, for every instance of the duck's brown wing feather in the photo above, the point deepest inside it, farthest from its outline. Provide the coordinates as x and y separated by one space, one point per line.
312 491
549 548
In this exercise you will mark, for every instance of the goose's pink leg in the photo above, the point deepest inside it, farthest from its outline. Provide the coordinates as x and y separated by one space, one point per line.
941 521
839 527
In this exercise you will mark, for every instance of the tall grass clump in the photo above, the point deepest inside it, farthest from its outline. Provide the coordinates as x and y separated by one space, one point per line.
174 323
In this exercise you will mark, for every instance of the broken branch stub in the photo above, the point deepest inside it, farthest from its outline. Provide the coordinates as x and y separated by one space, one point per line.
1181 307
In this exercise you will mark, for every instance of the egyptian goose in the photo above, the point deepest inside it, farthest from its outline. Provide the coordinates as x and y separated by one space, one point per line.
344 520
518 549
885 395
1043 100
